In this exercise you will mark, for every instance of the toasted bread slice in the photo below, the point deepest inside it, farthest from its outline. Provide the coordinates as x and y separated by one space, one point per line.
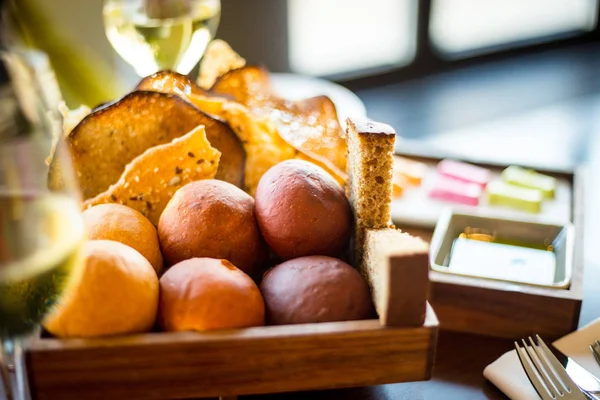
396 266
370 181
106 140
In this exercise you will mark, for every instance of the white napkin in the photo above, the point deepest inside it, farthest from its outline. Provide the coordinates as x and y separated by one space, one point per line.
508 375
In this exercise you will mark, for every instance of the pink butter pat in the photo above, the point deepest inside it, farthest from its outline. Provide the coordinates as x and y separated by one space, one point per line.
456 191
464 172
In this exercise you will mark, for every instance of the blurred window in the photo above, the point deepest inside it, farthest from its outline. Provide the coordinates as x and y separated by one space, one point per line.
328 37
478 26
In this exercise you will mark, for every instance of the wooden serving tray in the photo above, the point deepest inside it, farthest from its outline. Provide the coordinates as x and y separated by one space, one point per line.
237 362
505 309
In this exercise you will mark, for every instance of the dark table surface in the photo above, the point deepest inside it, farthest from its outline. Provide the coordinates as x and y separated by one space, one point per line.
569 127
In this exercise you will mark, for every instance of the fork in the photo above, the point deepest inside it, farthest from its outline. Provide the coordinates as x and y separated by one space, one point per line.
595 348
545 372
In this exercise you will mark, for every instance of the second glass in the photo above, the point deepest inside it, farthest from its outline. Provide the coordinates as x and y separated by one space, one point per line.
154 35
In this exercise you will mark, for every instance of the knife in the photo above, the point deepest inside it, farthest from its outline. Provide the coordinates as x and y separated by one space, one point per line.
582 378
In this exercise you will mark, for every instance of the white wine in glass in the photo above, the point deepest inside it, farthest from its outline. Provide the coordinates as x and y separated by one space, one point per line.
154 35
41 234
41 228
40 237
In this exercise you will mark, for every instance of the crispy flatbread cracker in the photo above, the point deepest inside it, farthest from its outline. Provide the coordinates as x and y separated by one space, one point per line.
106 140
264 148
311 125
171 82
151 179
174 83
271 129
218 59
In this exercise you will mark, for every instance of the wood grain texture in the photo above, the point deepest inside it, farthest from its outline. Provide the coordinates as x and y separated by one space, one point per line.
460 360
502 313
505 310
228 363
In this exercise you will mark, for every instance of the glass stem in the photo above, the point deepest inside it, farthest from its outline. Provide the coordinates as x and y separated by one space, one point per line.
12 358
8 386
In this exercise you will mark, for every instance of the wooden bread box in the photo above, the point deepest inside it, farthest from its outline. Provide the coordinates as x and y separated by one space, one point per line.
259 360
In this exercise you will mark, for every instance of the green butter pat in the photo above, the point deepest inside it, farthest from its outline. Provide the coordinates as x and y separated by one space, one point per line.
530 179
500 193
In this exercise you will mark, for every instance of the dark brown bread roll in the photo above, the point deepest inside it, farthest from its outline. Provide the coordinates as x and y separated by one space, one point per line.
301 210
315 289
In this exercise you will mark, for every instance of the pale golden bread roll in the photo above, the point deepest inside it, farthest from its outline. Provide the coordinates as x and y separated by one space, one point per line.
116 294
123 224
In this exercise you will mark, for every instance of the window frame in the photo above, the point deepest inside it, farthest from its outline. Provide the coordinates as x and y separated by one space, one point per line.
429 60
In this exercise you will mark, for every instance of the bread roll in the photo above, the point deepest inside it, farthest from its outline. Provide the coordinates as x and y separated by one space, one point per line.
301 210
215 219
315 289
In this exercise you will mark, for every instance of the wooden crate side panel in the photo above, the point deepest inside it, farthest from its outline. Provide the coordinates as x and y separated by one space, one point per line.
500 313
196 365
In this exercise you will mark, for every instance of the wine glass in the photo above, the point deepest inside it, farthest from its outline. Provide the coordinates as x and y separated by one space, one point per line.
41 227
154 35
